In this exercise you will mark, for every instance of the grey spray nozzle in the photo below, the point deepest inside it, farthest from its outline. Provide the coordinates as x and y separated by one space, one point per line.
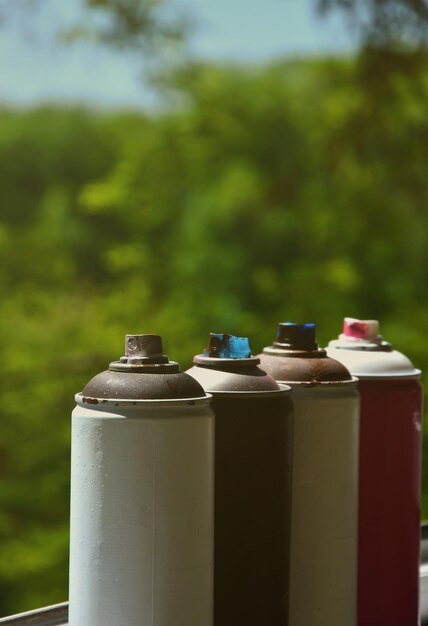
144 347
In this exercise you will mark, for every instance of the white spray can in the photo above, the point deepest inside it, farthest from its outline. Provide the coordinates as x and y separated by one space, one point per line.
141 545
324 484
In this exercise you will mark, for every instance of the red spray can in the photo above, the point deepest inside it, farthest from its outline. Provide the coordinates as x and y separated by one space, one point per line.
389 475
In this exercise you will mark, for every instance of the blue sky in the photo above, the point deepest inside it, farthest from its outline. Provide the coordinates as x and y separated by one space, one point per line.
35 67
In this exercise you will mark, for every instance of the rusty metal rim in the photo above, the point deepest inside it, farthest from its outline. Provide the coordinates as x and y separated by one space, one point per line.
284 390
299 354
102 402
172 367
320 383
200 359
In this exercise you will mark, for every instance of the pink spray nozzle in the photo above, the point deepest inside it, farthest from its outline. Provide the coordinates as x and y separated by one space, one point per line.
367 330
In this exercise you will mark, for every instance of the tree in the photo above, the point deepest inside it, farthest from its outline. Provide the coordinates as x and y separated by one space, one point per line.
137 24
385 22
143 25
149 25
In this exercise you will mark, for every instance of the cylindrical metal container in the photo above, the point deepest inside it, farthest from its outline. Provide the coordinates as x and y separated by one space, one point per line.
323 566
252 479
390 467
141 545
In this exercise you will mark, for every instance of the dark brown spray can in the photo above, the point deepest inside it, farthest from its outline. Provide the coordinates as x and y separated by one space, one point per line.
253 416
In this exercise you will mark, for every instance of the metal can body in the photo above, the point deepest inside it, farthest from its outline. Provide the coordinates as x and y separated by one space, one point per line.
390 469
142 514
389 506
252 485
251 510
323 565
324 486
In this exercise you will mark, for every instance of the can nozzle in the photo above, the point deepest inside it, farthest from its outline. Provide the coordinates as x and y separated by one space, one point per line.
367 330
144 349
297 336
223 346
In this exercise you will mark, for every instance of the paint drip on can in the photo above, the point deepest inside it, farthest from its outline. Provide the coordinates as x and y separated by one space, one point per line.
323 563
141 543
390 469
252 480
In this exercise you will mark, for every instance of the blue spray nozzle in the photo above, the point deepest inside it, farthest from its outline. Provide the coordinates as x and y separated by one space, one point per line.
223 346
297 336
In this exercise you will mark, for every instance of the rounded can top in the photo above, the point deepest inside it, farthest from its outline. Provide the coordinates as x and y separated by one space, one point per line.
144 373
295 358
364 352
227 366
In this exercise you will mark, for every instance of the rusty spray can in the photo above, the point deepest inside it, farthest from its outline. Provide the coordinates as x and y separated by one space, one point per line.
323 565
252 480
141 545
390 469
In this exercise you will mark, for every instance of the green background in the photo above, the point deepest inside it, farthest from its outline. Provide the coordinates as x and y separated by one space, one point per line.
296 191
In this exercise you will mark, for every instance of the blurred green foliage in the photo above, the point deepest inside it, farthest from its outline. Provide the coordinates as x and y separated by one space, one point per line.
296 191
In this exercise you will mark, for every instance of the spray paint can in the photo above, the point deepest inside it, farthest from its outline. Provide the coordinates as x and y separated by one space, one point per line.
141 545
390 467
323 565
252 480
